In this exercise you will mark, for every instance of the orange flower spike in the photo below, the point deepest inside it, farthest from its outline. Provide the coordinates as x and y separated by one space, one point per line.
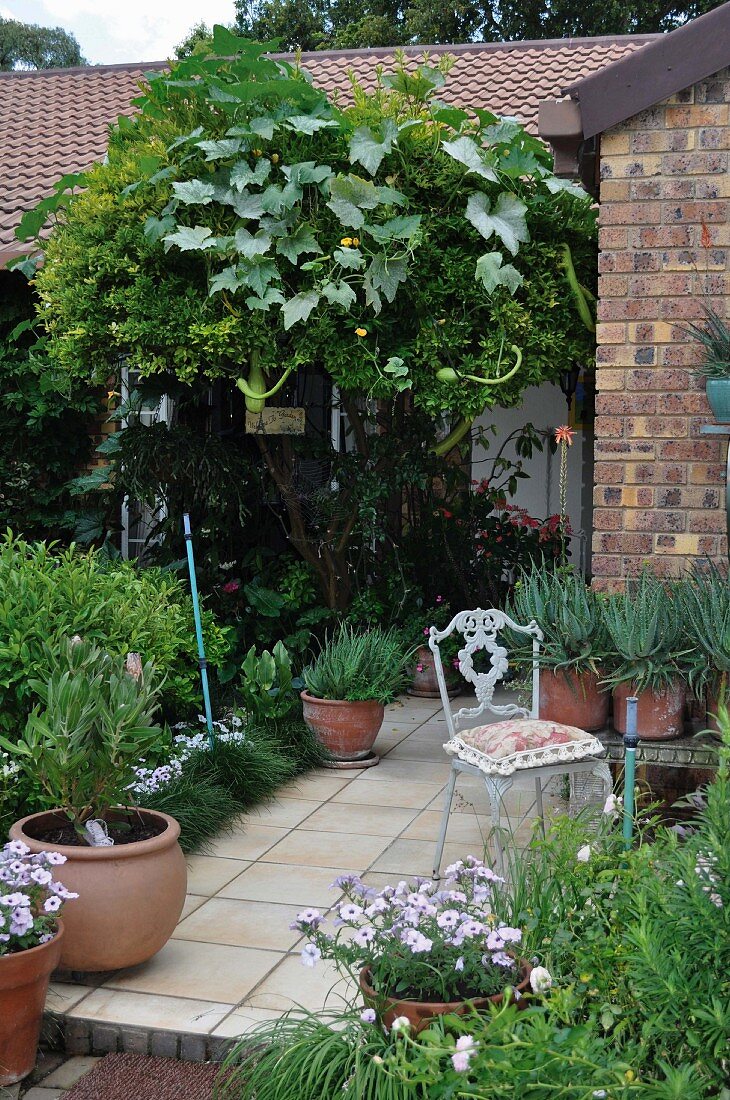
705 238
564 434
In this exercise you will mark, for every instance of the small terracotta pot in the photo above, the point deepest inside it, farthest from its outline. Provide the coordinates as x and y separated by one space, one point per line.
421 1013
424 683
573 698
348 730
24 978
130 895
659 717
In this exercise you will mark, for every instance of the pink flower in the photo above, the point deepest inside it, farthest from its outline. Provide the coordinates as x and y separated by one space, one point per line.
426 631
460 1061
231 586
439 599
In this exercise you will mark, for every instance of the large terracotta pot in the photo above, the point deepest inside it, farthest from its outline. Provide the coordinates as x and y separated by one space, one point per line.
130 895
348 730
421 1013
659 717
424 683
24 978
573 698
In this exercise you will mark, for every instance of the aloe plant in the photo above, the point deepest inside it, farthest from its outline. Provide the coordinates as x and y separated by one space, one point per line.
356 666
706 608
645 627
569 614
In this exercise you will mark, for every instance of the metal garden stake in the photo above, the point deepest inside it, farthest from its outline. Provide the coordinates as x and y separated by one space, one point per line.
631 740
202 663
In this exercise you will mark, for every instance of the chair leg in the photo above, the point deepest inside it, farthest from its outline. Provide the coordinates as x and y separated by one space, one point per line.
444 823
538 804
603 772
494 792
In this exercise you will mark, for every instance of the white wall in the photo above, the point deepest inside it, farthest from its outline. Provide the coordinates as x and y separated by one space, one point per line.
545 407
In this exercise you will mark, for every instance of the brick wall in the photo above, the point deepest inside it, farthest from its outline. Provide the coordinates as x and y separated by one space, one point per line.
664 246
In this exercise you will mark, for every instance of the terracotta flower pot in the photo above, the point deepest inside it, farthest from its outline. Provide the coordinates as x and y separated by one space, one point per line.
348 730
24 978
424 683
659 717
130 895
421 1013
573 698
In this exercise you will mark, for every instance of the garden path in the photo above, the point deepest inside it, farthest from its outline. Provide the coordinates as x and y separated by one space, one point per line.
233 960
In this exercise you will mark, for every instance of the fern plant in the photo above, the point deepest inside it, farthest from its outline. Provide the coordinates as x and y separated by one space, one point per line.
358 666
569 614
648 645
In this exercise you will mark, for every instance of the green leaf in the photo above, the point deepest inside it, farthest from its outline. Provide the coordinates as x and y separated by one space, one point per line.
194 191
302 240
555 186
249 206
299 307
155 228
390 197
250 246
242 174
349 196
306 124
307 172
349 258
396 367
258 274
271 296
451 116
220 150
187 240
386 274
493 274
402 228
506 220
340 294
263 126
372 298
227 279
368 150
225 43
467 152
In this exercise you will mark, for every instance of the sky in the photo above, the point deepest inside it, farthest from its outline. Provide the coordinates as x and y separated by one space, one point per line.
114 31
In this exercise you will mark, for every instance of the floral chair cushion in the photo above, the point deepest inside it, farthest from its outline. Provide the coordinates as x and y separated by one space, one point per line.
505 747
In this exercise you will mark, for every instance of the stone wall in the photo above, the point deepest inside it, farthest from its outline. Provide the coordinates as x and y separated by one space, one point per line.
664 246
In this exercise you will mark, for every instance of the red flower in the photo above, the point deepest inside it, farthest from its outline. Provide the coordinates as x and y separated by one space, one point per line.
564 434
447 514
231 586
705 238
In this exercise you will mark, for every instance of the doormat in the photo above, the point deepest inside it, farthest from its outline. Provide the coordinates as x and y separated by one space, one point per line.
141 1077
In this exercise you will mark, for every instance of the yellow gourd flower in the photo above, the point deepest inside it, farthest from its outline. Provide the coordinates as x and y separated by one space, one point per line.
361 332
355 242
257 152
346 242
274 158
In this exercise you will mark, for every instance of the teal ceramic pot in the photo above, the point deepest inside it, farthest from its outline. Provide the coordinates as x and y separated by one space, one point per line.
718 394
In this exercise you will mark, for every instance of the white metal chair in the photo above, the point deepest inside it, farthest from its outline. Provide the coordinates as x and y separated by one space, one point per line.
480 630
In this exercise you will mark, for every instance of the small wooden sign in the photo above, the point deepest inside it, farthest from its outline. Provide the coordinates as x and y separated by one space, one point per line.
276 421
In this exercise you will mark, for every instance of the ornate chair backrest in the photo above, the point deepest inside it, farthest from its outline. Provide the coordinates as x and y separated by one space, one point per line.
480 631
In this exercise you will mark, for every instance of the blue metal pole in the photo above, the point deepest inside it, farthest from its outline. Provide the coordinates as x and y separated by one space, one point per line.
203 664
631 741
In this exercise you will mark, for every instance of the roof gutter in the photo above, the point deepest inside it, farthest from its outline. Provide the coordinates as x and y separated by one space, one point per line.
560 124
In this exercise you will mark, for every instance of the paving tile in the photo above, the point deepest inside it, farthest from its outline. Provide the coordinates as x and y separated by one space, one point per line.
241 1020
415 857
283 813
69 1072
192 902
285 882
372 820
407 771
208 971
64 995
292 984
144 1010
462 828
413 749
248 843
241 924
206 874
314 788
384 793
327 849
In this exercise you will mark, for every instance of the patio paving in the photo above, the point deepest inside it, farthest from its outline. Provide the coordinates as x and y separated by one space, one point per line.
233 960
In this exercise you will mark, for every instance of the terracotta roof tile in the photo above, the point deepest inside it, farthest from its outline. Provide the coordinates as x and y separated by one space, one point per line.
56 122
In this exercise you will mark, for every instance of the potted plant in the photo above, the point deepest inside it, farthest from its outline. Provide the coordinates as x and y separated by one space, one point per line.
574 644
81 745
424 683
648 656
706 610
31 936
417 951
713 336
347 686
